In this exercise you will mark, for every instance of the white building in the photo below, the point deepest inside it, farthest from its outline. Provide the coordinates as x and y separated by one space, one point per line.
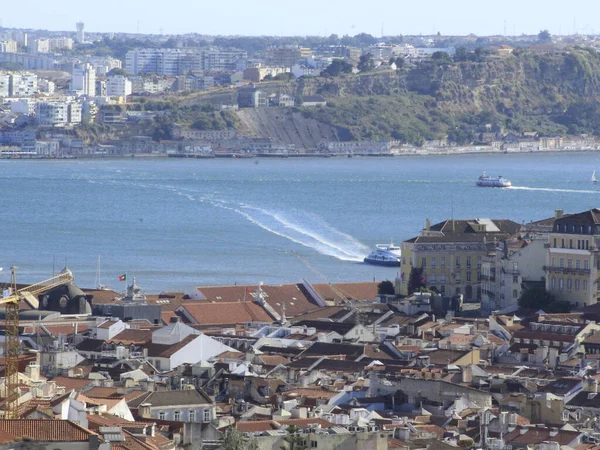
58 114
23 106
8 46
80 32
39 46
60 43
83 80
4 85
47 147
23 84
118 86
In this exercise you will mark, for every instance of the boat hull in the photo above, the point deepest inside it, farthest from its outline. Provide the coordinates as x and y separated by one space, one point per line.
379 262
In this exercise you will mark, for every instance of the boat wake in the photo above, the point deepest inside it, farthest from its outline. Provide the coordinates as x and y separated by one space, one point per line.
306 229
572 191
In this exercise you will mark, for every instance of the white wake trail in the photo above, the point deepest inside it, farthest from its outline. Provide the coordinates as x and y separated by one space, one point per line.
571 191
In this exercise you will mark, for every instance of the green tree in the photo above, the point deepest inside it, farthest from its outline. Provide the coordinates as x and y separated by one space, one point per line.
366 63
116 71
293 441
544 36
461 54
539 298
338 67
416 280
235 441
386 288
441 58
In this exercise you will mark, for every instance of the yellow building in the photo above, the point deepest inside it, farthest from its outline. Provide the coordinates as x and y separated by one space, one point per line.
450 254
572 269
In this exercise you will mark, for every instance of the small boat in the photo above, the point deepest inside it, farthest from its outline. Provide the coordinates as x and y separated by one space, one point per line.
594 179
385 255
486 181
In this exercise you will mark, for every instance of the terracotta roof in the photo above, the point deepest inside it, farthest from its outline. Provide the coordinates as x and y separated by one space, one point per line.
102 392
226 313
132 336
46 430
273 360
102 296
266 425
166 351
72 383
172 398
55 330
297 301
107 324
96 421
537 435
352 291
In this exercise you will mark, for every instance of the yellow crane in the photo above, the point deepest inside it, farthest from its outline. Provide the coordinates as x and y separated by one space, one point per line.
11 299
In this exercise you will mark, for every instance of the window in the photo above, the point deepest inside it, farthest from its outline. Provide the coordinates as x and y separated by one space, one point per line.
468 262
443 261
561 284
570 263
586 264
515 279
431 279
554 243
206 415
313 444
177 416
443 278
571 240
161 415
577 285
515 293
423 262
585 285
570 284
457 277
478 276
562 243
457 262
577 264
479 262
562 262
468 276
553 261
192 415
433 261
442 289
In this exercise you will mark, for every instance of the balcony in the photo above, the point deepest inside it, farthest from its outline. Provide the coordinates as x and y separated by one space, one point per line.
567 270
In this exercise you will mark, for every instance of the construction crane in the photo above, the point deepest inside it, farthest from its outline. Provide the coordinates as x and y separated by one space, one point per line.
11 299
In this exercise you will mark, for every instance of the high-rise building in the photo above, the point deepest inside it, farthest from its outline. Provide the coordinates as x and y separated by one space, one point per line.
39 46
80 37
57 114
61 43
83 80
4 85
8 46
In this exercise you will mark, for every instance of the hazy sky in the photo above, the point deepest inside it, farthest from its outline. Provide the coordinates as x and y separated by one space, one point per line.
308 17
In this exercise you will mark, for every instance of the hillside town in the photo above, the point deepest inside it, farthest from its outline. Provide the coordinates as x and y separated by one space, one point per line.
486 339
74 94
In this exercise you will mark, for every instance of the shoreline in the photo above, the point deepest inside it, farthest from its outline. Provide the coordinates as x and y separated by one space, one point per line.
462 151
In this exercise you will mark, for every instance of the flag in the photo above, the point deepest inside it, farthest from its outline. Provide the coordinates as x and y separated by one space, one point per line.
123 277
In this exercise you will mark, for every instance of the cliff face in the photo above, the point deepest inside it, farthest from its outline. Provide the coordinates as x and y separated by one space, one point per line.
549 94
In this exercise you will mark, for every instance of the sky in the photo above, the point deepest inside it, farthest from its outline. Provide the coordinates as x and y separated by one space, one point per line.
308 17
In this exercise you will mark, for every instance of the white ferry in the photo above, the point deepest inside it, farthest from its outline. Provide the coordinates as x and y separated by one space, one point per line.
486 181
385 255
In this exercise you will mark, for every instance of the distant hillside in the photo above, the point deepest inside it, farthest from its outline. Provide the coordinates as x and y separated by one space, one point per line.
549 94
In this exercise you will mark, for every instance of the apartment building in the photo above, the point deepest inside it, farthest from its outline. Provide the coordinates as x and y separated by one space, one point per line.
573 262
58 114
23 84
4 85
118 86
223 60
8 46
286 56
83 79
450 254
162 61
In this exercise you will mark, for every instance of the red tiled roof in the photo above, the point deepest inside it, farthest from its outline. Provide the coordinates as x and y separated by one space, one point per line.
266 425
226 313
107 324
352 291
314 392
102 392
46 430
72 383
132 336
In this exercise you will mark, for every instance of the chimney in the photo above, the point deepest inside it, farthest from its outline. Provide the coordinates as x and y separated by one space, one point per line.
467 374
144 410
558 213
427 225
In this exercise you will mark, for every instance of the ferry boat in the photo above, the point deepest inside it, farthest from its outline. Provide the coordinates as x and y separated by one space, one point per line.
486 181
385 255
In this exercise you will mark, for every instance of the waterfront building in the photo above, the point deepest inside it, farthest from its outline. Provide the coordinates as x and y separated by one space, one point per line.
572 266
450 254
58 114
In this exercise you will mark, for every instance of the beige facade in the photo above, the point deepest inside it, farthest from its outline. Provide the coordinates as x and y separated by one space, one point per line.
573 263
450 254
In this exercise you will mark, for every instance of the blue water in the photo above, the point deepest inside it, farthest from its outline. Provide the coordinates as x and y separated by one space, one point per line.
176 224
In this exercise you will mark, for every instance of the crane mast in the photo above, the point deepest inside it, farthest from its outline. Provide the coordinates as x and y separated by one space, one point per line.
11 339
